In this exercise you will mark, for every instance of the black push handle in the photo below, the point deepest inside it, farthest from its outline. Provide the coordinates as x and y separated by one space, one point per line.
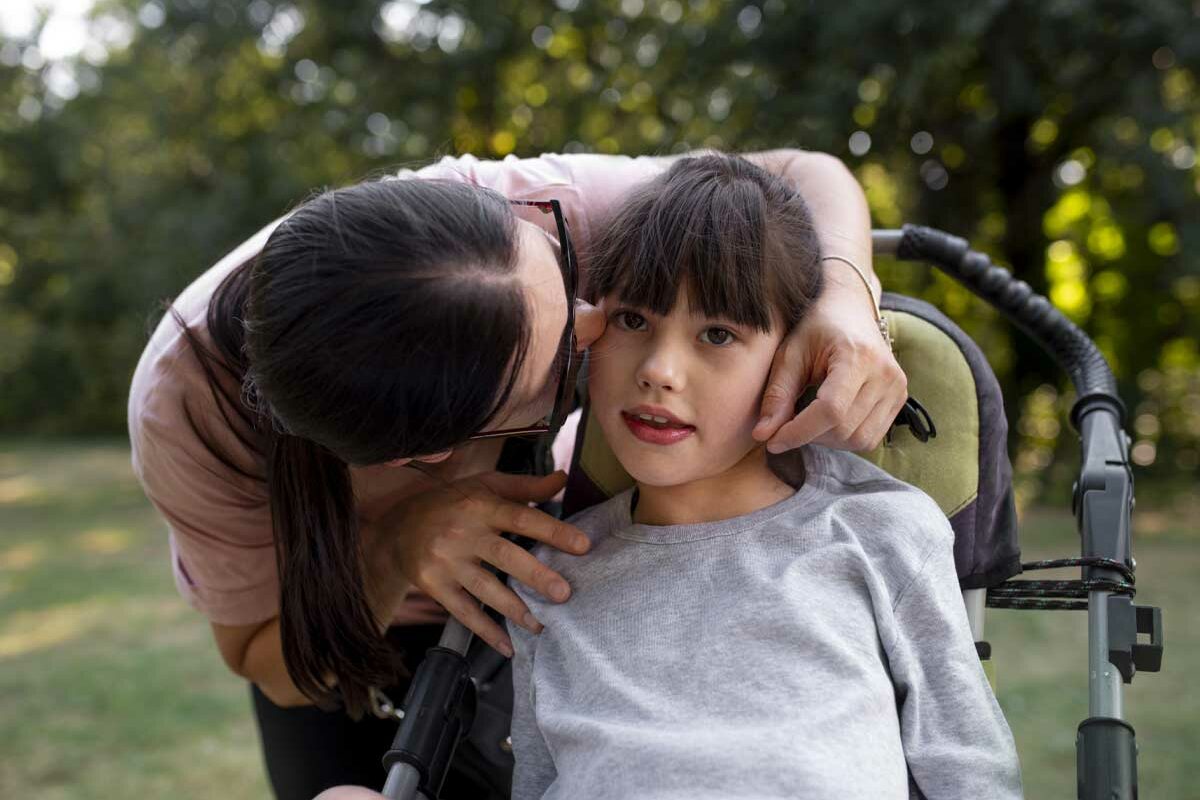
1074 351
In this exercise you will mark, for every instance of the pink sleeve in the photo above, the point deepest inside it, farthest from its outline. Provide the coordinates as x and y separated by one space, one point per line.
218 520
587 185
221 546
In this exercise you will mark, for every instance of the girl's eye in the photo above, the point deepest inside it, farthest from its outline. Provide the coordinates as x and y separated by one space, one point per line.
629 320
717 336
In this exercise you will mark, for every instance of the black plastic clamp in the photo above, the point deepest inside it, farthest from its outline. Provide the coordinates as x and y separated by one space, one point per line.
1125 622
438 713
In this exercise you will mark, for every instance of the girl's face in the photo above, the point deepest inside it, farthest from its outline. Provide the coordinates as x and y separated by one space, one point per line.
678 395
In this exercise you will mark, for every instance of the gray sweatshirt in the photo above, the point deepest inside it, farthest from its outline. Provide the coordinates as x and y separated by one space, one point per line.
815 648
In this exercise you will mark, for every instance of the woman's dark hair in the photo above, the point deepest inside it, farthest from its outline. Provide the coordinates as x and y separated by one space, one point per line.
740 238
380 321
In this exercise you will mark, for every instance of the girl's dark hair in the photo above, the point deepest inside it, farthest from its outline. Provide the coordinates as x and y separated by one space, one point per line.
380 321
741 238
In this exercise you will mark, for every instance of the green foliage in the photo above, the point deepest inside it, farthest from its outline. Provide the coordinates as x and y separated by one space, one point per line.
1060 137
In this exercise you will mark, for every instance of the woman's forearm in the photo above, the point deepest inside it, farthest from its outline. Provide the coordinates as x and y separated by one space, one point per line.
265 667
839 210
255 652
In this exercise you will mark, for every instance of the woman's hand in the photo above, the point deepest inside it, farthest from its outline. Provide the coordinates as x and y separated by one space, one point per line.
837 345
437 541
862 388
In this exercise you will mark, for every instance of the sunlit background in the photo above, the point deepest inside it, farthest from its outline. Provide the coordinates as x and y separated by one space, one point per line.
139 141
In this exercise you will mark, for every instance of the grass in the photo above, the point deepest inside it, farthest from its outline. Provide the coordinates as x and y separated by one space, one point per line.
110 686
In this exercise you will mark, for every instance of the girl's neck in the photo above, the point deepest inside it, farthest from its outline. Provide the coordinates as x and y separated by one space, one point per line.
742 489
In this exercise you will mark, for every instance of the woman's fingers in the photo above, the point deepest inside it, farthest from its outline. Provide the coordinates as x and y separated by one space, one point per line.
439 539
871 423
510 511
535 524
491 592
519 563
854 431
466 610
854 407
835 397
789 374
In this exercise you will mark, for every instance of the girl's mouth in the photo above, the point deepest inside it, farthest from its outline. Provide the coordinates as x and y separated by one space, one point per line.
652 430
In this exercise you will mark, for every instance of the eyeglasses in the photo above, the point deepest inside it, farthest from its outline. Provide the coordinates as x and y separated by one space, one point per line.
566 345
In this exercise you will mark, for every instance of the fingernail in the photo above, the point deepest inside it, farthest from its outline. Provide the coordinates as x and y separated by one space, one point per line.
530 622
559 590
581 543
763 420
505 649
776 448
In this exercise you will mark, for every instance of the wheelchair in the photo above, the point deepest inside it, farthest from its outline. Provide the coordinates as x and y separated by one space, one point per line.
954 450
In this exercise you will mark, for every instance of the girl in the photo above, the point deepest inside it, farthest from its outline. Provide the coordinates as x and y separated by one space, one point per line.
741 628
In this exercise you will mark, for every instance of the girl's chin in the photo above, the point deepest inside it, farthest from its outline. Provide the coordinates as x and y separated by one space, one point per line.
662 481
663 470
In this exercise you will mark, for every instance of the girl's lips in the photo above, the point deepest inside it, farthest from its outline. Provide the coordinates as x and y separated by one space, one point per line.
654 435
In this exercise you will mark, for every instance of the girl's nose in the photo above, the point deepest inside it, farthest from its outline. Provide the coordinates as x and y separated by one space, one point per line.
659 371
589 324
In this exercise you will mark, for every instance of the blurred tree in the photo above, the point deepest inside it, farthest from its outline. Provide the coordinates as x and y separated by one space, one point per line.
1061 137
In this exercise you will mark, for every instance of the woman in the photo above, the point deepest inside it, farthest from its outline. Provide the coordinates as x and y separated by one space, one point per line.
412 323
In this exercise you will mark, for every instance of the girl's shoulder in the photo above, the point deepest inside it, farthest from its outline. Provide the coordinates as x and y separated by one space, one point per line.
895 524
852 480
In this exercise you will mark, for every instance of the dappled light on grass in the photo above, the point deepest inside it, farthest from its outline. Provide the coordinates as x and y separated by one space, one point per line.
104 541
20 489
22 556
1150 523
29 631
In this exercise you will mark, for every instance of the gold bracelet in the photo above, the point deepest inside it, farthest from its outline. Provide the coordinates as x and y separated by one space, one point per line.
880 321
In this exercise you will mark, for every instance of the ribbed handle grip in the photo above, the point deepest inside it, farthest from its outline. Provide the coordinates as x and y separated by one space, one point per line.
1029 311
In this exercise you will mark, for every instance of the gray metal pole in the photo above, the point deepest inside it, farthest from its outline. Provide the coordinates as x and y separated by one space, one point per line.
1104 680
885 242
402 783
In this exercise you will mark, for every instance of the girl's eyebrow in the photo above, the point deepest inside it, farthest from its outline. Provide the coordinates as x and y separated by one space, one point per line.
728 322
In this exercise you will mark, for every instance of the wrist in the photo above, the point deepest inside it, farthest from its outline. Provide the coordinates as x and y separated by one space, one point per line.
848 289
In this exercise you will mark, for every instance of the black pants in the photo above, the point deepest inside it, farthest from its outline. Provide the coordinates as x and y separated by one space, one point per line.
307 750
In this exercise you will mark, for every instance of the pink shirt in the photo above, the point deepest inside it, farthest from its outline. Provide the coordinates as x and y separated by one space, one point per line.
218 520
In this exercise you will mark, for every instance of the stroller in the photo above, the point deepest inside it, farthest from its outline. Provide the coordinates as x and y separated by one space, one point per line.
954 450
